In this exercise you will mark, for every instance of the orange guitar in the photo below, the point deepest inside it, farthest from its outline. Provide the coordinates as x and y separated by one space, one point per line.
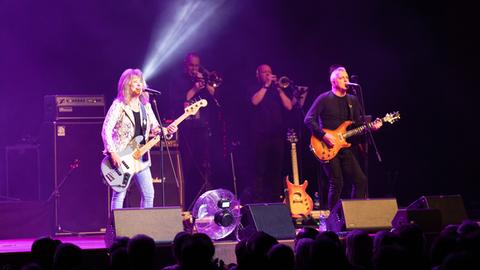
300 203
325 153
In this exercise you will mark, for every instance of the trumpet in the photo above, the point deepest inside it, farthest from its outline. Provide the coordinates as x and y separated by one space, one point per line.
283 82
211 78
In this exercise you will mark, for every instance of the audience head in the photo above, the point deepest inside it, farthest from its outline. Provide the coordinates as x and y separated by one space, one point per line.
327 254
178 241
467 226
258 246
281 257
302 253
67 256
141 252
43 251
412 238
306 232
332 236
197 252
359 248
241 252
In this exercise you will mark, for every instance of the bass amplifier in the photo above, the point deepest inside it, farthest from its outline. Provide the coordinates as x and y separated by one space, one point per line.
74 107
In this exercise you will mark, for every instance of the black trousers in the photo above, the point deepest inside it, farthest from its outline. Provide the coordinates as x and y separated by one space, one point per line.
268 157
344 166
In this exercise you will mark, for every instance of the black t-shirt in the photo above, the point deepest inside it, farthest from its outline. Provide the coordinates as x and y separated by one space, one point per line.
138 126
268 117
329 111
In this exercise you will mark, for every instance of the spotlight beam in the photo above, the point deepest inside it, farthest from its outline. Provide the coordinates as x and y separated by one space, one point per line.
187 20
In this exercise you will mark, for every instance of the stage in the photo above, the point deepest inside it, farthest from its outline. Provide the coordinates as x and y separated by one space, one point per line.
17 251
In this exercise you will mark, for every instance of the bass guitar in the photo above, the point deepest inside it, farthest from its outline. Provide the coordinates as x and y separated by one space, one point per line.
325 153
118 178
300 202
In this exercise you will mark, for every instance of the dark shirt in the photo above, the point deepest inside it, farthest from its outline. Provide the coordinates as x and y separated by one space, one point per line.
268 117
178 89
138 126
329 111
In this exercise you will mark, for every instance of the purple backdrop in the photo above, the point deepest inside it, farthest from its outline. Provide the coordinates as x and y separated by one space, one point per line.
412 57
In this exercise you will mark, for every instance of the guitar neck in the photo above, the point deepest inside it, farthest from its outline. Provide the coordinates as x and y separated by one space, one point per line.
359 130
181 118
296 180
142 150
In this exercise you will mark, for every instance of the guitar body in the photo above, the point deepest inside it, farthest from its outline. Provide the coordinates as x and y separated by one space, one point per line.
325 153
119 178
301 204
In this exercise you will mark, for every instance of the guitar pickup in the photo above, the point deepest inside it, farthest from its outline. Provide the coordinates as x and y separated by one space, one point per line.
125 164
117 171
125 179
109 177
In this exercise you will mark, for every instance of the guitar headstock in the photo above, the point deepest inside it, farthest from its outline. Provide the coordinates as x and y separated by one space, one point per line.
391 117
292 136
193 108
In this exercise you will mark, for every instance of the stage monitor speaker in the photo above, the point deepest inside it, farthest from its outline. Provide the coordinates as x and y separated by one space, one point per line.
430 220
451 207
167 193
162 223
364 214
272 218
71 153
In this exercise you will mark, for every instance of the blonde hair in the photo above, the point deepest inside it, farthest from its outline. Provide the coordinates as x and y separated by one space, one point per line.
124 94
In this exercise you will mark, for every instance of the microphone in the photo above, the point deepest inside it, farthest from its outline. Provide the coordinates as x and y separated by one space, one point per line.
352 84
152 91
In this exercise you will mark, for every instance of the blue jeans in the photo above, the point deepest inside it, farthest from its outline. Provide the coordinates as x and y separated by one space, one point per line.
144 182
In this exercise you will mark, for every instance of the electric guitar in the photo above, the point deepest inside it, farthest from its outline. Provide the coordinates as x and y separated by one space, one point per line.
118 178
300 202
325 153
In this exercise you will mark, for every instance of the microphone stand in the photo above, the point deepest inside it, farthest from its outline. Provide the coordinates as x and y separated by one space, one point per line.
369 132
162 143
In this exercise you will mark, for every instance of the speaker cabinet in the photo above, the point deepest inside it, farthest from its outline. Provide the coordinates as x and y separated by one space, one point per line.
162 224
23 172
272 218
430 220
451 207
368 214
168 188
71 153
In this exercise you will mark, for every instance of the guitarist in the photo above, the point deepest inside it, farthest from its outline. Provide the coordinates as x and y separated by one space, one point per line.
328 111
131 115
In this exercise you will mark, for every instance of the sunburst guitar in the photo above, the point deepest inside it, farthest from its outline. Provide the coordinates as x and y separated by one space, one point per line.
119 178
325 153
299 201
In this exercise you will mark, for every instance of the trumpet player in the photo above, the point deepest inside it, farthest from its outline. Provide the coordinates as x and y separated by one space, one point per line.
270 105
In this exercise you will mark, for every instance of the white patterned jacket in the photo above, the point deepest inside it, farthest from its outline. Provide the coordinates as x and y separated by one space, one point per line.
119 126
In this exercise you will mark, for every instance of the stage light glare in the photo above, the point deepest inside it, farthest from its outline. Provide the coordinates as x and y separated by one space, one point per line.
180 30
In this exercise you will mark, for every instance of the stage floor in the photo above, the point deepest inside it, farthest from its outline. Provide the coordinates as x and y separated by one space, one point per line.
24 245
